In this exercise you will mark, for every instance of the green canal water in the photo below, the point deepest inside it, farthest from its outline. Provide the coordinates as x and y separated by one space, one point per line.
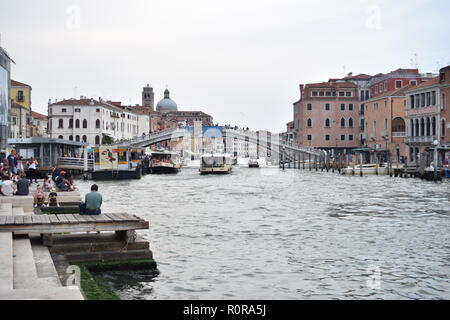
269 234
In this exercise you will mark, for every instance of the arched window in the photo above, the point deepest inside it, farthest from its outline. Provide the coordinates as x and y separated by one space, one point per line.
398 125
309 123
422 127
70 123
350 123
84 139
71 138
327 123
443 128
61 124
411 129
77 124
84 124
97 124
433 126
428 132
77 138
61 137
97 139
342 123
417 128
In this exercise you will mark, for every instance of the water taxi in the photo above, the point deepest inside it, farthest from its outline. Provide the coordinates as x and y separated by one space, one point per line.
216 164
367 169
164 162
253 163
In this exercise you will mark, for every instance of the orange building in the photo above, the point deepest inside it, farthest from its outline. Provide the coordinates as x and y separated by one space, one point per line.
385 124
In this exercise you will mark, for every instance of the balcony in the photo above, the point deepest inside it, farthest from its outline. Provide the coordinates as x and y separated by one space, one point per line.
420 140
398 134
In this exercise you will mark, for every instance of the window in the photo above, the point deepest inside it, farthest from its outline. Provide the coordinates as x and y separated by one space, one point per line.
97 110
443 128
84 139
70 123
350 137
97 139
309 106
342 107
61 137
327 137
71 138
328 94
20 96
63 110
350 123
97 124
321 94
342 123
327 123
433 98
412 101
376 89
348 94
398 84
428 99
413 82
77 110
314 94
341 94
309 123
77 138
327 107
342 137
309 137
77 125
61 124
350 107
84 124
385 86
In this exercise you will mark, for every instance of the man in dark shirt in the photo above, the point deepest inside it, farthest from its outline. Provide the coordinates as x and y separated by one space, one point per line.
23 186
55 173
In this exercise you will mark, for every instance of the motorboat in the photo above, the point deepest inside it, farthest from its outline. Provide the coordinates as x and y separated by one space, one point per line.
164 162
216 164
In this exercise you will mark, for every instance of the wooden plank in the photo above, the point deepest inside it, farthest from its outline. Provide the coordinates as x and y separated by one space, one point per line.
87 218
9 220
36 219
18 220
54 219
79 227
127 217
62 218
80 218
115 217
101 218
45 219
27 220
71 218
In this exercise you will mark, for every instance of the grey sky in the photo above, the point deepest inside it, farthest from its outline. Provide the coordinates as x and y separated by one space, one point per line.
240 61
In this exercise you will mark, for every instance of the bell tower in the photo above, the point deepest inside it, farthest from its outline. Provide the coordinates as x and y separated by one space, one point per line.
148 98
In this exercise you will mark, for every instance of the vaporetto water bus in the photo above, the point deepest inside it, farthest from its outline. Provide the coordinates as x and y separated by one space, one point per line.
164 162
117 162
216 164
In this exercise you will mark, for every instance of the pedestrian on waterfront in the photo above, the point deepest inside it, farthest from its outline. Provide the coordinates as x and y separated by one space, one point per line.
32 166
92 202
55 172
23 186
20 167
39 197
12 163
53 200
61 182
48 185
8 187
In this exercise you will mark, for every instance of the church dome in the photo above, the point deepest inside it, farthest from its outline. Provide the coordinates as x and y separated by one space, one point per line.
166 105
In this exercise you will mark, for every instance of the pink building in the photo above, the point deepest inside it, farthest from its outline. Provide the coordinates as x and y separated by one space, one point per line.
327 116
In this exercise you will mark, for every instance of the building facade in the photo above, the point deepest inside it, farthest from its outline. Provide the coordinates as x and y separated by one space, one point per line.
94 122
327 115
40 124
385 124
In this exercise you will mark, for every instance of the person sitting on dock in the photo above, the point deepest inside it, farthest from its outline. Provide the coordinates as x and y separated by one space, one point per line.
92 202
39 197
61 182
53 200
55 172
8 187
23 186
48 185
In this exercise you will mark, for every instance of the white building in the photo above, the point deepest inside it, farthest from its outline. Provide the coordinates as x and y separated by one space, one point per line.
91 121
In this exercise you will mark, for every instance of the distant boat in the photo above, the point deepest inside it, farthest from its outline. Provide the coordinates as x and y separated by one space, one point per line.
253 163
164 162
367 169
216 164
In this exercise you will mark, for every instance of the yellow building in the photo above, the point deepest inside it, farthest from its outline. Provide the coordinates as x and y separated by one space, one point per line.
21 94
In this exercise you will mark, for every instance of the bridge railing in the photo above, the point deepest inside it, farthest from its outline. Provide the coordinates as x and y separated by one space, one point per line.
74 163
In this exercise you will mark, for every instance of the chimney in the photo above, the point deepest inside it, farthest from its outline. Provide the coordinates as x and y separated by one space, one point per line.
350 74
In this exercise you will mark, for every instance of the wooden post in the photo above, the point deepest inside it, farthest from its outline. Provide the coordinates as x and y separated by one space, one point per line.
376 164
289 159
309 157
303 160
353 164
361 164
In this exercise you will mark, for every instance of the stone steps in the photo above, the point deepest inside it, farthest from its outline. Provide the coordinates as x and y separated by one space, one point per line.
58 293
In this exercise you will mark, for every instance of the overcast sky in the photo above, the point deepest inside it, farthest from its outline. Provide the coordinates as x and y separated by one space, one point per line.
240 61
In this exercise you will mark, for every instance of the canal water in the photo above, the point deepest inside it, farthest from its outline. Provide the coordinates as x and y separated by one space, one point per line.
269 234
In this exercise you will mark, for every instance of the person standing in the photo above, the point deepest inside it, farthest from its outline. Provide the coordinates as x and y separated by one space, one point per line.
32 166
92 202
12 163
20 167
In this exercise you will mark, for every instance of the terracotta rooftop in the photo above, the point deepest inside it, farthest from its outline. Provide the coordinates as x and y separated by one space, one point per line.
331 85
15 83
37 115
429 83
396 92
